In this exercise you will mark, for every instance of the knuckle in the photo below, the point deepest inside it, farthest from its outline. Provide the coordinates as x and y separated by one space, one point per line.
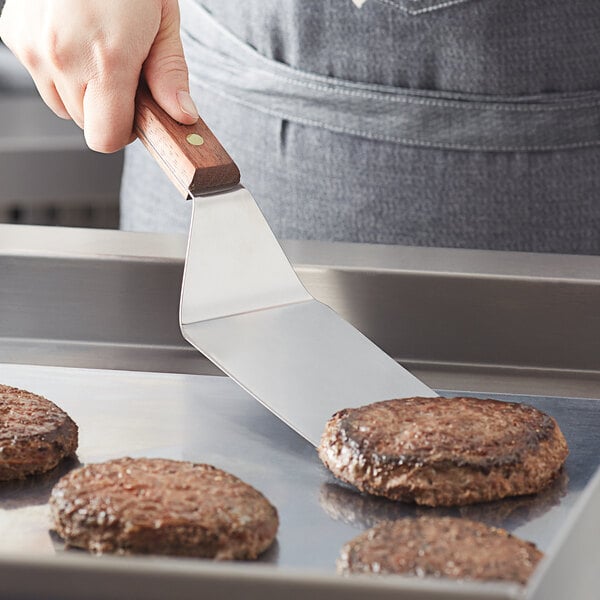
105 62
172 64
59 51
107 57
55 50
30 58
95 58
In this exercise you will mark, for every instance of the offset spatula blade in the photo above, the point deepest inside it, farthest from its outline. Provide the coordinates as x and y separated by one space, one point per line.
242 304
244 308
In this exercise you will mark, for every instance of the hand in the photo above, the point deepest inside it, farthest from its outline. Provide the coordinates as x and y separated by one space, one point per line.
86 58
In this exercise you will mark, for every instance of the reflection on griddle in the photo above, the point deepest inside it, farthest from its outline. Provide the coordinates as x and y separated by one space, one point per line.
517 510
343 503
346 504
35 489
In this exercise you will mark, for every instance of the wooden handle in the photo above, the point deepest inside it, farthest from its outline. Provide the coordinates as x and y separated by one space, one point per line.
190 155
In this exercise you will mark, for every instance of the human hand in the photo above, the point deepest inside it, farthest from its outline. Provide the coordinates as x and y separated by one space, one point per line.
86 58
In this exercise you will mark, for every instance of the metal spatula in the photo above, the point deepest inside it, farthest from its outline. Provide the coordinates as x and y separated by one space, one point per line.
242 304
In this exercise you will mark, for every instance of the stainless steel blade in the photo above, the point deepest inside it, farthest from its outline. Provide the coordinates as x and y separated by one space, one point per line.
245 309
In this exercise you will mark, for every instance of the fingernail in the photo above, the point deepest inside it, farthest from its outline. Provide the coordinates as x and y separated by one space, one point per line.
187 104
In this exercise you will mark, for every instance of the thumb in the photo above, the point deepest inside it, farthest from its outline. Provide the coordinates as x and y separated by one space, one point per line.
166 73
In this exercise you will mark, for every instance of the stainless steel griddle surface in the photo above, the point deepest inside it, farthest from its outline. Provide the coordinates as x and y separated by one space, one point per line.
210 419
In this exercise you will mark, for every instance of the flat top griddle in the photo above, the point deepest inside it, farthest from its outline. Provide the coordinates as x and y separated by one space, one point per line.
82 303
210 419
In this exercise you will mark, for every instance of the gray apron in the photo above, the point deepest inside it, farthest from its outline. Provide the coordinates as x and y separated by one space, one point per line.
472 123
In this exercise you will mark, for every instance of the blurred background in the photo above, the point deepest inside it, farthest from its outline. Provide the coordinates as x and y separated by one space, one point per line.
48 176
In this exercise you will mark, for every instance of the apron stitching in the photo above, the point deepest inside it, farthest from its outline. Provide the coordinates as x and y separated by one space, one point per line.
465 105
417 11
400 140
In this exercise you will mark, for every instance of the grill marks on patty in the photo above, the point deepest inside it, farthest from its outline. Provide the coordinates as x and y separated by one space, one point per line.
161 506
440 547
444 451
35 434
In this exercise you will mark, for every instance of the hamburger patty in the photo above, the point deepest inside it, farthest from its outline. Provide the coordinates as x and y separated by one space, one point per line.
35 435
444 451
440 547
160 506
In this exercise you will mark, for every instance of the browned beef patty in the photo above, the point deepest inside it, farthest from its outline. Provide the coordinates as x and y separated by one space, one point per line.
160 506
35 435
444 451
440 547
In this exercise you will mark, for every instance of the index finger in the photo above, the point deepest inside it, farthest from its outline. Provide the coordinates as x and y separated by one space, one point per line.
108 110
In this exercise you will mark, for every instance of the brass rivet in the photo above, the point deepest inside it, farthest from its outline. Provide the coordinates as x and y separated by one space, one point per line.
194 139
